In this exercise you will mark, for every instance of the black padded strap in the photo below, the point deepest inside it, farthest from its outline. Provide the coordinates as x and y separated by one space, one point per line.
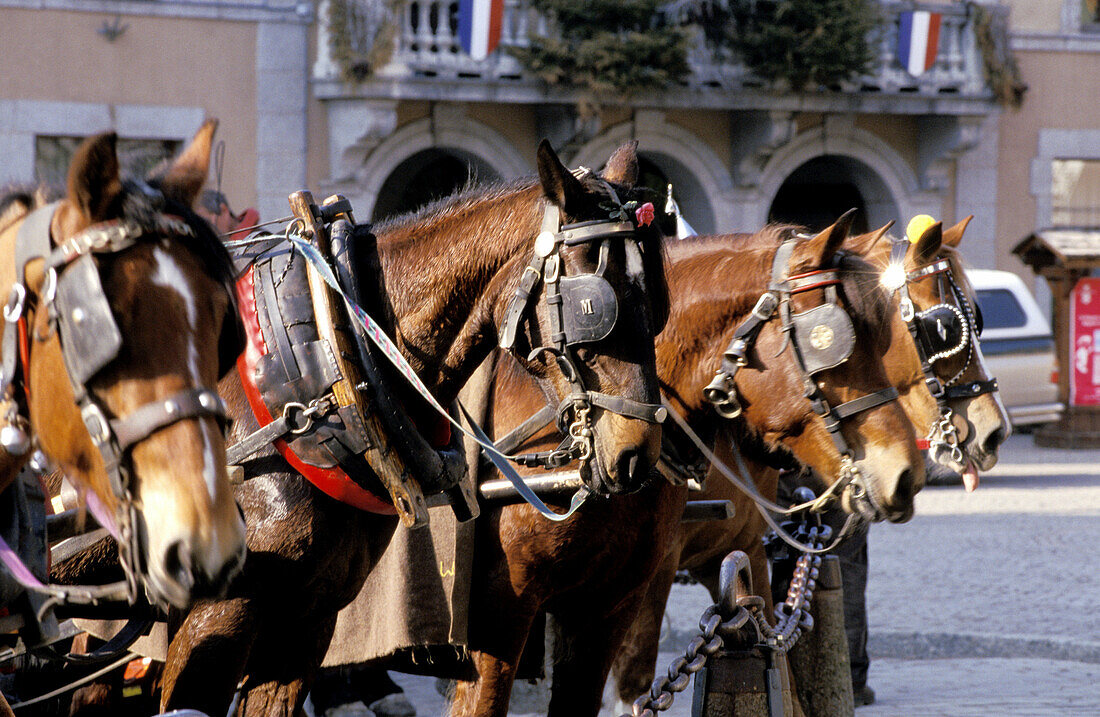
970 389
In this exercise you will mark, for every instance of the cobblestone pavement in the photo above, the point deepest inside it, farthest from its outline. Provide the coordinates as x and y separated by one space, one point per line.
984 604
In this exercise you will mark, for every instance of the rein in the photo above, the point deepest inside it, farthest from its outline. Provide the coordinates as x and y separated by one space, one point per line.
79 314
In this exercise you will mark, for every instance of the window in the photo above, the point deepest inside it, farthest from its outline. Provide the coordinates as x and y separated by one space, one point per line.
52 156
1075 193
1090 15
1000 309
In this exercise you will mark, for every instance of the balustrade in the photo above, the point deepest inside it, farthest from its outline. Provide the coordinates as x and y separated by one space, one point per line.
428 45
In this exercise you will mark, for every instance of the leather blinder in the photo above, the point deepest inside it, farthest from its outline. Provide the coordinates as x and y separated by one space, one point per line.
825 337
90 337
591 308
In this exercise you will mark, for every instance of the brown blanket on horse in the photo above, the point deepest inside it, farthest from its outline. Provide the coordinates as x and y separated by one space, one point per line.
412 611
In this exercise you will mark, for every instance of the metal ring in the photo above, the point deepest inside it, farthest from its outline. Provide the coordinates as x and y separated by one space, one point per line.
49 290
291 421
17 299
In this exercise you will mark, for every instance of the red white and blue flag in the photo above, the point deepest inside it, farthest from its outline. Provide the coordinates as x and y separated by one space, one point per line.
479 23
918 40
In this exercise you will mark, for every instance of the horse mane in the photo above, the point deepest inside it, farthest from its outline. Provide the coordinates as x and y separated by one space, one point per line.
741 271
467 198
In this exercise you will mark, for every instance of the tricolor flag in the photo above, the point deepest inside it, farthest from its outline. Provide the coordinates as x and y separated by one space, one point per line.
479 24
918 40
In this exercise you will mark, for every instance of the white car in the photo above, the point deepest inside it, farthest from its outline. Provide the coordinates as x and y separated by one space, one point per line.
1018 347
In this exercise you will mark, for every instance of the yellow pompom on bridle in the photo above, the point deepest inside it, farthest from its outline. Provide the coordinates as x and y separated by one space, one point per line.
917 226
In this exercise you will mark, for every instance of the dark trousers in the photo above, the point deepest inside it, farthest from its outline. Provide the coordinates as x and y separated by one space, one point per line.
852 552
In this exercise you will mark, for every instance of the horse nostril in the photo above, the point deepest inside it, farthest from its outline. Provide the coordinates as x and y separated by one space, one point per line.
177 564
993 441
906 488
630 465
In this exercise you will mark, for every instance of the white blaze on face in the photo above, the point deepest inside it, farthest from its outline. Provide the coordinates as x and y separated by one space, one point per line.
169 276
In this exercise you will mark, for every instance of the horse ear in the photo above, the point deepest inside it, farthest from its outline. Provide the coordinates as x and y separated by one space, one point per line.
183 179
926 248
819 250
93 181
953 235
558 183
622 168
862 244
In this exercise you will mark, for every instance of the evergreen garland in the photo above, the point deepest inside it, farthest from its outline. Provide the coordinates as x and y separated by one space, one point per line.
804 43
607 49
362 36
1001 71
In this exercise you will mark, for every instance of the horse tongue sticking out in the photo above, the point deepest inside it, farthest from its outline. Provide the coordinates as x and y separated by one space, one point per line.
970 476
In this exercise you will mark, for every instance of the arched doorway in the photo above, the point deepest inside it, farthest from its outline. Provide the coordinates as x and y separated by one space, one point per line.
427 176
822 189
657 170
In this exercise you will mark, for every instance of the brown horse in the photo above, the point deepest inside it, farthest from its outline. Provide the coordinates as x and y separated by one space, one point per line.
591 572
451 272
700 547
167 291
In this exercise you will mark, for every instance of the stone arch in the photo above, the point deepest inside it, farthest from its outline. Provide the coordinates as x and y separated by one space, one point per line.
701 182
462 137
893 174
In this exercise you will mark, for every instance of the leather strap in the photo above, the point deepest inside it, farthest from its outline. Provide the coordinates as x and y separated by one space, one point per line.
866 403
143 422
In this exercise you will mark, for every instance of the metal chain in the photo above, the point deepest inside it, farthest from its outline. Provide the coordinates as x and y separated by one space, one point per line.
944 436
708 642
793 615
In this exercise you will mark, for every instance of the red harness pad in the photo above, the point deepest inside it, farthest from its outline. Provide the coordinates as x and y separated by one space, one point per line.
333 482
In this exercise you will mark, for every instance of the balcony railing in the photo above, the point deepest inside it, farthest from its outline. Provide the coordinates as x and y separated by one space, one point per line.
427 46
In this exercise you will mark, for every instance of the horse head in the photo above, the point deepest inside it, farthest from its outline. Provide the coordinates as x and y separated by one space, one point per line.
604 300
131 320
966 422
804 367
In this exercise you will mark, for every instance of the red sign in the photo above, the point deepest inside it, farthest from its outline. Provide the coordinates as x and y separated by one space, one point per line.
1084 322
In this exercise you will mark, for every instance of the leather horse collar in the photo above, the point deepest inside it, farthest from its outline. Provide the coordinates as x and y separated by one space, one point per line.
80 314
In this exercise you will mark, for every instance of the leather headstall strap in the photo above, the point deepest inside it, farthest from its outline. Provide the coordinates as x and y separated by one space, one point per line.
942 391
721 392
943 437
79 313
567 298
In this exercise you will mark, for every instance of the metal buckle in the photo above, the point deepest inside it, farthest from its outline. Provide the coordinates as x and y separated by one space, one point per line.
906 308
99 428
552 270
765 306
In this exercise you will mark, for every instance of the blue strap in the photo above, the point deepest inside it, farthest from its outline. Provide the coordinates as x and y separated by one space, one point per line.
376 334
517 481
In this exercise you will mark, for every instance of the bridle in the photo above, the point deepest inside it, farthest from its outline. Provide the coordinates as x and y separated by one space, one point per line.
820 338
582 309
939 332
80 315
